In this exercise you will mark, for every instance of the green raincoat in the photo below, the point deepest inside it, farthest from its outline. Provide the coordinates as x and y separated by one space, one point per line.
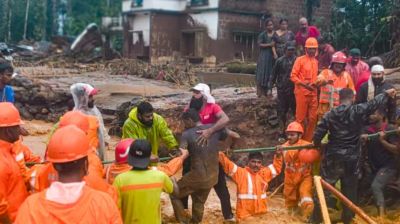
133 128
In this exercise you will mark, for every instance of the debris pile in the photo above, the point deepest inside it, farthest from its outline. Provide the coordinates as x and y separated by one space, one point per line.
178 74
392 58
254 119
37 99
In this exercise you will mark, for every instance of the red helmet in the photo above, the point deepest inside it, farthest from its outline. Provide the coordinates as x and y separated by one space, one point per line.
122 150
309 155
295 127
339 57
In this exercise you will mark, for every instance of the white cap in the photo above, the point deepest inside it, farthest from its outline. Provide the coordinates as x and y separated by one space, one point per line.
377 69
204 89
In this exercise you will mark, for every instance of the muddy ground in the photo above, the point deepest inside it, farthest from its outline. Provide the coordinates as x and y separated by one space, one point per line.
37 142
241 104
277 213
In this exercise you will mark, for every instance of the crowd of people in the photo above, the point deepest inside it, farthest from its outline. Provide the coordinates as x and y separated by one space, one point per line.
335 106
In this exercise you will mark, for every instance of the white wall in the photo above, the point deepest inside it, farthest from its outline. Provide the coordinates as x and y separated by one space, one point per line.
141 22
168 5
209 20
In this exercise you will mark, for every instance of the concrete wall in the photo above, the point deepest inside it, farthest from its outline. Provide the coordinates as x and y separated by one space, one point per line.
165 37
256 6
209 20
133 25
294 9
219 20
230 23
141 22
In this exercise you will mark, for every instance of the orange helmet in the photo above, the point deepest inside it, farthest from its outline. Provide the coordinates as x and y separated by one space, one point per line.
76 118
339 57
67 144
295 127
311 42
122 150
308 155
9 115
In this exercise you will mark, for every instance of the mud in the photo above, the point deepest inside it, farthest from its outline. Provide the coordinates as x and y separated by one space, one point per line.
254 119
277 213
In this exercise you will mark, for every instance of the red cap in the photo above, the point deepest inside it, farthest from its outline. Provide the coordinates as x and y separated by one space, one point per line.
90 90
122 150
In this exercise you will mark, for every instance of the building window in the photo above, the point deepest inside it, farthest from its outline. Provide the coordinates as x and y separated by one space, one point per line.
136 3
245 38
198 2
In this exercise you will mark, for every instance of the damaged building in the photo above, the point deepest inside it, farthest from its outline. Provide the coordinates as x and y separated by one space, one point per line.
203 31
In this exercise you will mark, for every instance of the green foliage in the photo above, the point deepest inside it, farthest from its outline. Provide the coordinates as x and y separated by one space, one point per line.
363 24
43 15
241 68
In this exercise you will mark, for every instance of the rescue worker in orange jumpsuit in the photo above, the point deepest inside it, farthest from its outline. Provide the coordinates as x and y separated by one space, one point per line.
12 186
331 81
121 162
298 177
252 182
45 174
304 74
23 155
69 200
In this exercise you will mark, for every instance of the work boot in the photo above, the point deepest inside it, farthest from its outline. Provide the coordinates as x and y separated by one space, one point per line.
381 211
230 220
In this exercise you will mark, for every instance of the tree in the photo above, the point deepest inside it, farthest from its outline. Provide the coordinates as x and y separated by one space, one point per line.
363 24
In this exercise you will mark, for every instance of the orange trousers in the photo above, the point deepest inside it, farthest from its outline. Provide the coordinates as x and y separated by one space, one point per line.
298 192
306 114
323 108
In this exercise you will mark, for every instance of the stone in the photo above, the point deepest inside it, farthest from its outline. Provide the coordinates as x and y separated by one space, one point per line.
44 111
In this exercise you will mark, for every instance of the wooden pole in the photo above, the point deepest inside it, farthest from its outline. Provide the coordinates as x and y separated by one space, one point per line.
321 197
348 203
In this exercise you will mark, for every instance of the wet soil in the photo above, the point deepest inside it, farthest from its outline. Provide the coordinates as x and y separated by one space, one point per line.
277 213
246 119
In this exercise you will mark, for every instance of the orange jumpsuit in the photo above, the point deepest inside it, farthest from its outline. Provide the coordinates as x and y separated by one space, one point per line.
24 155
329 96
298 180
42 175
92 207
92 132
251 187
12 186
170 168
305 70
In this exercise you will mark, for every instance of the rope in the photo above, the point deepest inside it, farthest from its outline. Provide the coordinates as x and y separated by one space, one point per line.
263 149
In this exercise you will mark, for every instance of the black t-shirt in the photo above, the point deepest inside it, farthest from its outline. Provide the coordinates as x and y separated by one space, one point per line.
203 159
378 156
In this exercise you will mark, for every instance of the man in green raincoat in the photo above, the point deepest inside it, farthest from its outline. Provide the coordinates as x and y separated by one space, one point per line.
143 123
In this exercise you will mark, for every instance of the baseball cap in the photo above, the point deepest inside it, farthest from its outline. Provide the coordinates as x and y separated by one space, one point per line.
290 45
90 90
139 154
